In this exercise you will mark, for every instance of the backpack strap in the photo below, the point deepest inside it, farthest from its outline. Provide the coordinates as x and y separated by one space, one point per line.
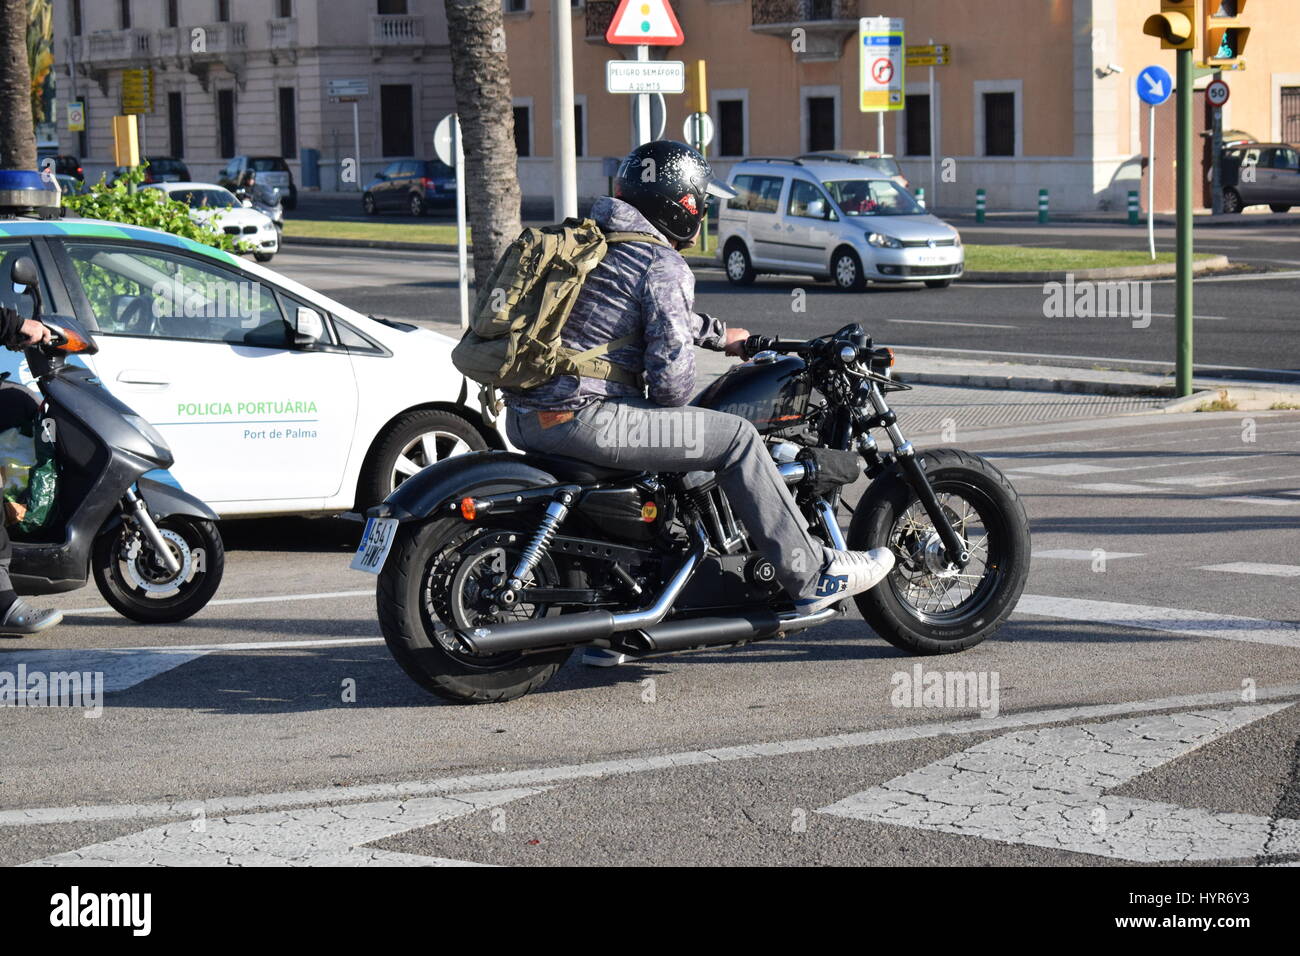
591 363
635 237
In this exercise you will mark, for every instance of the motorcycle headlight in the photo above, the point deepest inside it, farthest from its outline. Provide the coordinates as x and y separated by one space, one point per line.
882 241
148 431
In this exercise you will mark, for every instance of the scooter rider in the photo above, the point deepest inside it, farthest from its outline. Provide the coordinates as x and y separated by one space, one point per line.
17 617
662 189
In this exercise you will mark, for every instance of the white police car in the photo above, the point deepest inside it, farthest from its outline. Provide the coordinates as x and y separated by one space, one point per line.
275 399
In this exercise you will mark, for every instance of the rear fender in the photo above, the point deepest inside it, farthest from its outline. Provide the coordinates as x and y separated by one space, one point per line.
421 495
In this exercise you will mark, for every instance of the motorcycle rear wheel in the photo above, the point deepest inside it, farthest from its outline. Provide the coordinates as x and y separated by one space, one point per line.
922 606
428 586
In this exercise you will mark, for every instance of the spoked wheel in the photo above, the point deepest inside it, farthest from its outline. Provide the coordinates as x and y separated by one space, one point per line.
137 584
441 578
928 605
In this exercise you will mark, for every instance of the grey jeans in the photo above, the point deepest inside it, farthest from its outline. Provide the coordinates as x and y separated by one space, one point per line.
638 435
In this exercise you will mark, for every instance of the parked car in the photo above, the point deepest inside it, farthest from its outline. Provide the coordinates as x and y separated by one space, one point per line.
218 208
413 185
269 170
274 398
70 185
158 169
64 166
880 164
1261 174
832 221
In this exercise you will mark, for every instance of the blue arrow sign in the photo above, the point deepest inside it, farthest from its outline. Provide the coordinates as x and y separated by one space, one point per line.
1154 85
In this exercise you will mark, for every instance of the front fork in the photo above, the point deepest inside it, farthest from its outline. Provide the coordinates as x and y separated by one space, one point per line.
915 476
137 512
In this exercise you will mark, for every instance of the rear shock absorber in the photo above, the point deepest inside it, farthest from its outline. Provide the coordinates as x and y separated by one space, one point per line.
556 512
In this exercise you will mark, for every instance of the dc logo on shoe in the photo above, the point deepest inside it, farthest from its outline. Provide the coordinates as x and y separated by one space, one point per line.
832 584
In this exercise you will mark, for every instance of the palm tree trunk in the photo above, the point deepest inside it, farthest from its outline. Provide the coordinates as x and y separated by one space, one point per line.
17 138
482 80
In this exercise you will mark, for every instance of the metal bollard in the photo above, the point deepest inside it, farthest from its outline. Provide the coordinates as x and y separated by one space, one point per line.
1042 205
979 205
920 195
1134 208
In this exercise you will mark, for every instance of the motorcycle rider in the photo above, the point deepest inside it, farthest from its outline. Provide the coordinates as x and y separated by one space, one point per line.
662 189
17 617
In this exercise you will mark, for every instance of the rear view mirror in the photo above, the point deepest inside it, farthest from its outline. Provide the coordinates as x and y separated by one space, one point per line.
23 272
309 327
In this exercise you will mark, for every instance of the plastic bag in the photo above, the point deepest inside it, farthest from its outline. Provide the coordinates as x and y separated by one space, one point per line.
27 463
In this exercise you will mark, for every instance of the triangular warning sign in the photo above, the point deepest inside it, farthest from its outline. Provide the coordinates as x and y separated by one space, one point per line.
650 22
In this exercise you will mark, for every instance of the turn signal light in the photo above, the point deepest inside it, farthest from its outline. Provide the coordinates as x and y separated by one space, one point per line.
467 509
73 342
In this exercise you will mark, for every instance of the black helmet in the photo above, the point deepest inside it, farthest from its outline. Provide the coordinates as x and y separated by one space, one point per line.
668 183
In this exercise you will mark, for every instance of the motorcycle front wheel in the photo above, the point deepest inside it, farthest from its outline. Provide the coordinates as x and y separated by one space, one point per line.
926 605
433 583
137 585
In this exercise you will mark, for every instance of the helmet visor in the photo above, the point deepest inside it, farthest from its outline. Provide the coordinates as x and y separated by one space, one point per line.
720 189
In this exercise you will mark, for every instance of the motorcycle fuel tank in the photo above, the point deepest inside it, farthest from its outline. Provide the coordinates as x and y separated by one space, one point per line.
771 391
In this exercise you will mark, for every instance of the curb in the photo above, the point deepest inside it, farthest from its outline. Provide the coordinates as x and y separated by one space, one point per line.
368 244
1159 270
1063 219
1079 386
1246 399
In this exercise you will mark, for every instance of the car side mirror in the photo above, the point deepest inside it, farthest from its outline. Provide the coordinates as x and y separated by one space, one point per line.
817 209
246 203
309 327
23 272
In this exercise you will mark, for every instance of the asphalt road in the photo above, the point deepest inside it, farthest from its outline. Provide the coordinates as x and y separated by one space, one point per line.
1242 321
1144 706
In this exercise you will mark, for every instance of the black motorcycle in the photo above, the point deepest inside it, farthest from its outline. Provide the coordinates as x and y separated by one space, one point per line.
154 551
494 566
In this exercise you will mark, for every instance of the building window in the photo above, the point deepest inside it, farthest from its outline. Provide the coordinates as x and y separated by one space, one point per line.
731 127
124 14
392 7
226 122
523 130
76 18
173 16
917 118
397 120
283 8
175 125
1290 114
821 123
999 124
288 123
515 6
223 11
579 131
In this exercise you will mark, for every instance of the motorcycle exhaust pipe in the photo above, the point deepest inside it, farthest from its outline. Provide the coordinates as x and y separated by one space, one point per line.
704 631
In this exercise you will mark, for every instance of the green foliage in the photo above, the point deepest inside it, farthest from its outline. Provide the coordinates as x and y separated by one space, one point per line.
144 207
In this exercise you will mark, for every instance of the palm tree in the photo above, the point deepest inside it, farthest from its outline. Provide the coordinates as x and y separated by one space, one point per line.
482 80
17 138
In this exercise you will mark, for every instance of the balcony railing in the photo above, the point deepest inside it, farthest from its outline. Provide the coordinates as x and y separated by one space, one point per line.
396 30
802 11
117 46
282 33
205 40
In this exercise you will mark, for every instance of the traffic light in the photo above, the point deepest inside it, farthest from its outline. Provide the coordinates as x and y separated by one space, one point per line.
1225 35
1175 24
697 87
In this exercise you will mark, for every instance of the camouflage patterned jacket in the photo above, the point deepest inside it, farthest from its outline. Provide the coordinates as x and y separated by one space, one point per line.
638 288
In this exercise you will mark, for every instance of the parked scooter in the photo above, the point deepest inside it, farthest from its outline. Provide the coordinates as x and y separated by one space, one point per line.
264 199
154 551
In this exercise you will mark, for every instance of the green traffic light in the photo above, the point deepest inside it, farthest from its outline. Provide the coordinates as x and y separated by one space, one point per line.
1226 51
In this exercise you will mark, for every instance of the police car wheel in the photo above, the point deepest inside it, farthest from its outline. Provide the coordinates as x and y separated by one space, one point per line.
411 442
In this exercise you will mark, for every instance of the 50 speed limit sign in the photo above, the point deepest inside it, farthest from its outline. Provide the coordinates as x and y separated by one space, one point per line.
1217 92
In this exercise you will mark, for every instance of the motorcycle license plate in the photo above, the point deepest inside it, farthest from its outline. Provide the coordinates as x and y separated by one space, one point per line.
376 542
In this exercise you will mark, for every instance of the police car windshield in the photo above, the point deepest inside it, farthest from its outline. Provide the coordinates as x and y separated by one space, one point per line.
873 197
204 198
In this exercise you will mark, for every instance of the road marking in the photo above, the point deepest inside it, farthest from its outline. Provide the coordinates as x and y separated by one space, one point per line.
330 836
1076 554
1048 788
1170 620
1204 481
264 599
1120 488
1198 318
1065 468
124 667
964 325
1248 567
542 776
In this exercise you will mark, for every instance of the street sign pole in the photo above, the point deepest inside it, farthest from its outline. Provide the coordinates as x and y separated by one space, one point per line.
462 230
1151 178
564 144
933 202
1183 303
356 142
642 102
1216 156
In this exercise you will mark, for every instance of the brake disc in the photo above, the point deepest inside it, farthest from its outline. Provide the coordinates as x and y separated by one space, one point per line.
148 576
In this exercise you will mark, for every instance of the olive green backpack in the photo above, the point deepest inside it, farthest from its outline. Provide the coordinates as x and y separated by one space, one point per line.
513 340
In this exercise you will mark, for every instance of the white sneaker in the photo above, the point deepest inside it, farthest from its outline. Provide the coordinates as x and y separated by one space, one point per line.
603 657
845 574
